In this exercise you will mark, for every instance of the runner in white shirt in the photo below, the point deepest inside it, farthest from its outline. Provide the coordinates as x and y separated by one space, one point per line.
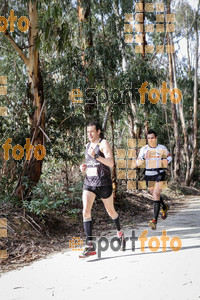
157 158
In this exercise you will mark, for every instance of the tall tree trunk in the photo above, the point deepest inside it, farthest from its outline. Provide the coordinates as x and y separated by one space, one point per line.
143 33
195 126
119 34
133 121
183 124
35 93
130 124
102 21
169 138
114 169
84 18
188 47
106 117
85 34
173 107
67 176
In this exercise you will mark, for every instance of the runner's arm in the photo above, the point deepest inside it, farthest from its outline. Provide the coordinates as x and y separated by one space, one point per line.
167 161
141 157
84 165
169 158
107 151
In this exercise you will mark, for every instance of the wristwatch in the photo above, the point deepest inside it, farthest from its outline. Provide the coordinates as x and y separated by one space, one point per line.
96 156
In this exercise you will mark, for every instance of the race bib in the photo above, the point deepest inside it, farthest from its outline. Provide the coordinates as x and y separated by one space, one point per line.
92 171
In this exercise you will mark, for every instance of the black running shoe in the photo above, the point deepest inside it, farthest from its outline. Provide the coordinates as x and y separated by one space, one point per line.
88 251
122 240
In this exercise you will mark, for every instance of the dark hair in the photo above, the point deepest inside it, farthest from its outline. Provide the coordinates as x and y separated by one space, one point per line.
94 123
98 126
150 131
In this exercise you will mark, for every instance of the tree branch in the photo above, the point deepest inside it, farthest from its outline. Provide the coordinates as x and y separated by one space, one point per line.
16 47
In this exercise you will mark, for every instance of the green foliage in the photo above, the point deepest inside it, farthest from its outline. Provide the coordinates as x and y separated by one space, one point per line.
46 198
60 43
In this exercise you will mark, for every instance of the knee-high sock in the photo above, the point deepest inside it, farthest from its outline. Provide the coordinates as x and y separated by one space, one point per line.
116 221
87 224
156 209
162 202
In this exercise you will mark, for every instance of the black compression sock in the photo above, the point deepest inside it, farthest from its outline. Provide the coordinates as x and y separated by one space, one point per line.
117 224
87 224
162 203
156 209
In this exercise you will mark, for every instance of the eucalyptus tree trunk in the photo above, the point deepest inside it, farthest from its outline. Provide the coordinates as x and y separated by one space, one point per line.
85 35
188 46
195 104
183 123
114 169
33 167
119 34
173 107
143 33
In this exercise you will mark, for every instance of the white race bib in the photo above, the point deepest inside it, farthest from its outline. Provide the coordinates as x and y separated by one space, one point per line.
92 171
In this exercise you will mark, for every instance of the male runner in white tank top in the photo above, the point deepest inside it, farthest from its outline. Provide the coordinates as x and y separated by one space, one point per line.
157 158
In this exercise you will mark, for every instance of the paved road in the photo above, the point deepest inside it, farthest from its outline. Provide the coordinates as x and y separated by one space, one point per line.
119 275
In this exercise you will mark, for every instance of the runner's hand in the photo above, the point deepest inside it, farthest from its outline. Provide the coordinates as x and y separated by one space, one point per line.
83 168
164 163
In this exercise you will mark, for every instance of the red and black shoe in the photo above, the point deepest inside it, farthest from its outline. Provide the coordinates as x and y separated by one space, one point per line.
152 224
121 236
164 212
88 251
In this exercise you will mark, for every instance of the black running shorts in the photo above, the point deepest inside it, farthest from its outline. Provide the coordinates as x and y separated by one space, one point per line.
101 191
158 177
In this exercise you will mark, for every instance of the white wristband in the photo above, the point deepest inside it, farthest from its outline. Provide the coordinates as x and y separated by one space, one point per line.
169 159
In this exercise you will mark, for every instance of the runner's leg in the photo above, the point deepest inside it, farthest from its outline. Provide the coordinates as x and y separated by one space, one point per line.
88 200
162 203
109 206
156 195
155 189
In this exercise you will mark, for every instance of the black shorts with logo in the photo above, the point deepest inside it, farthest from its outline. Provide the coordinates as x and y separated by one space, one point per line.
101 191
158 177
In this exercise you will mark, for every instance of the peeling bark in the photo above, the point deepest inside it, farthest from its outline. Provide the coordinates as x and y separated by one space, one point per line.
33 167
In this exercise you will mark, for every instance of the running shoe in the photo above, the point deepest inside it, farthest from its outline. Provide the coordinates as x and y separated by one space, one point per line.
164 212
122 240
88 251
152 224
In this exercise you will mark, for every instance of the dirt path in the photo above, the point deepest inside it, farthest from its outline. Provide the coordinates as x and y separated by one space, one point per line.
130 274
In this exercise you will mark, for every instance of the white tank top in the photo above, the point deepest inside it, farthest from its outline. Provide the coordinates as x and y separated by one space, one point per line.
156 155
